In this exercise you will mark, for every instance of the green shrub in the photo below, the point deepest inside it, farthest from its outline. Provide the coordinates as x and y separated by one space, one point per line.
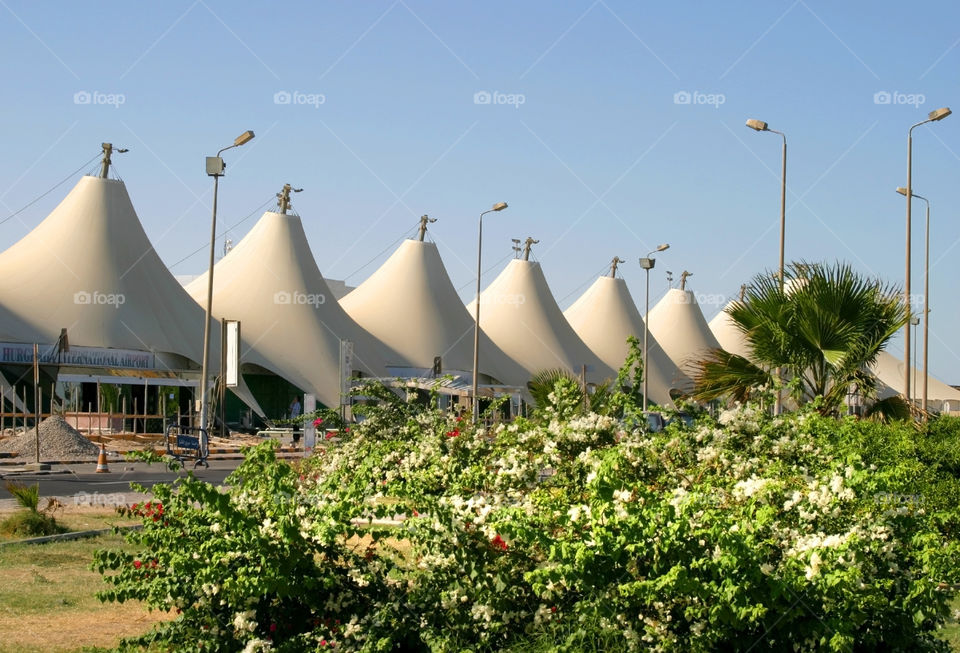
562 532
30 524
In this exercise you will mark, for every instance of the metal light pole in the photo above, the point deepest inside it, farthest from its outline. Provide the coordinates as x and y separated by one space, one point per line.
499 206
933 116
761 126
215 168
926 299
647 264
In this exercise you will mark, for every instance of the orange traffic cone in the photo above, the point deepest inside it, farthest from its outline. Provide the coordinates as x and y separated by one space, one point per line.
102 461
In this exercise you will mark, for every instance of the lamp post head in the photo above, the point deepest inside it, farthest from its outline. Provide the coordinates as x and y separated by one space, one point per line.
939 114
758 125
662 247
902 190
243 138
499 206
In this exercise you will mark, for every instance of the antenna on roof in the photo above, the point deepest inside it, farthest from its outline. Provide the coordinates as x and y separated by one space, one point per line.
669 279
283 198
105 164
613 265
424 220
527 244
516 247
683 279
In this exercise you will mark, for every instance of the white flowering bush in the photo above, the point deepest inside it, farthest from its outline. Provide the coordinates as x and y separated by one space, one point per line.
563 532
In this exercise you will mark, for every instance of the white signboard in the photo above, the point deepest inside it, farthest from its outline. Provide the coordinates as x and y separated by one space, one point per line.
233 353
79 356
346 373
309 430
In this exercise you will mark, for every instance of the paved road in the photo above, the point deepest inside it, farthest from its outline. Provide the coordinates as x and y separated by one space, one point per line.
81 485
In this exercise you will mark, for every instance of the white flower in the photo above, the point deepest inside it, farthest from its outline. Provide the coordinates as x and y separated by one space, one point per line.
766 568
622 496
258 645
215 527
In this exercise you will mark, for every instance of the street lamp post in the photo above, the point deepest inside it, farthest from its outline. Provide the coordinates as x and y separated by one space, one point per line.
933 116
926 299
647 264
761 126
215 168
499 206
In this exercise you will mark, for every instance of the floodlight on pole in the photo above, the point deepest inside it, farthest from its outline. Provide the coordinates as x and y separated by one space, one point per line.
215 168
499 206
761 126
647 264
926 301
933 116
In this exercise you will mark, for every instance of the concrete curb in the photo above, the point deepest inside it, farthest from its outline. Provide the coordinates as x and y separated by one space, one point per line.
66 537
117 458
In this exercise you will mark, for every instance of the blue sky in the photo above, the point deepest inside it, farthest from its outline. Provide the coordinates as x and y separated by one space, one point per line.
587 135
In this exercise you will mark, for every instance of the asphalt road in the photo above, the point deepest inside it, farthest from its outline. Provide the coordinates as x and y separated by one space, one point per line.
81 485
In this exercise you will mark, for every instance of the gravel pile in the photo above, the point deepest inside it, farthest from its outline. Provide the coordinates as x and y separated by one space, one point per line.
58 441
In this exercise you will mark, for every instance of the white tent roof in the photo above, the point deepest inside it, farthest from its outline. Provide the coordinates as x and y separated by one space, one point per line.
889 370
411 306
679 326
603 317
271 283
728 335
519 312
90 267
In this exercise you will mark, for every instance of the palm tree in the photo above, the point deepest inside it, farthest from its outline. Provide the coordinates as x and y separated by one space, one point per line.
823 329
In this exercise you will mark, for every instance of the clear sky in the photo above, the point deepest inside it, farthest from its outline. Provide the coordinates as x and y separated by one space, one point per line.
610 127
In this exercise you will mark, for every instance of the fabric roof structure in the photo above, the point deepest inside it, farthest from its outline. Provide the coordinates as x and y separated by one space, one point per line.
89 267
728 335
679 326
520 314
603 317
889 371
271 283
410 305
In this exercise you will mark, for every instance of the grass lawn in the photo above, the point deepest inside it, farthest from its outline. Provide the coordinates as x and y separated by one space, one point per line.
47 600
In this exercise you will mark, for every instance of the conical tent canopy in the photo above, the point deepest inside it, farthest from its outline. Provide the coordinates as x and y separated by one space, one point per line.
889 371
679 326
271 283
725 330
411 306
519 312
89 267
604 316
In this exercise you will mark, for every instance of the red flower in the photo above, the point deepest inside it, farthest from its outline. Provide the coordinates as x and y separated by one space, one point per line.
273 628
318 421
454 433
329 435
498 543
137 563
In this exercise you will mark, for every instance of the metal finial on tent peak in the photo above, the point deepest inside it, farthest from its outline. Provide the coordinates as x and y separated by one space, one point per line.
527 244
516 247
424 220
283 198
683 279
613 265
105 164
743 290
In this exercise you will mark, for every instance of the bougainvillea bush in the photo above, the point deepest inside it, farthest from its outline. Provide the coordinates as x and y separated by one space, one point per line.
566 531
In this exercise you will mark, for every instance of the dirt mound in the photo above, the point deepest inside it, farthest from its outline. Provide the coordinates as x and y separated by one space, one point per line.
58 441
